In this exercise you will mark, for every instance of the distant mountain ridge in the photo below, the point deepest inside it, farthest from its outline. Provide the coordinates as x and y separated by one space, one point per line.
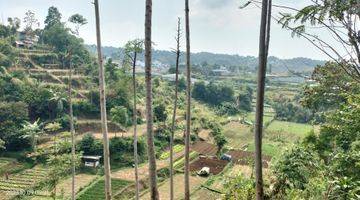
278 65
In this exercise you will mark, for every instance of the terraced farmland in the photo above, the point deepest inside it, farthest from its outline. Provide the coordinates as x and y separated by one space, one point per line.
164 188
204 148
4 162
97 191
19 183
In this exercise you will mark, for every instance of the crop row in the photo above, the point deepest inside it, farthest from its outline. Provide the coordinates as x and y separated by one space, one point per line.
96 191
23 180
177 149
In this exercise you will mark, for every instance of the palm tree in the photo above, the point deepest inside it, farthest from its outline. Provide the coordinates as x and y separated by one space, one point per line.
78 20
263 53
177 51
149 115
59 99
32 131
188 105
103 106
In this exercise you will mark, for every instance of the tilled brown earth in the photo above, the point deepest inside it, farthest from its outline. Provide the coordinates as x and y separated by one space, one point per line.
204 148
246 157
215 165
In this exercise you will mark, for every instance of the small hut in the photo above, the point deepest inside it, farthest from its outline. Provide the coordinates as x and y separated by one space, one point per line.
91 161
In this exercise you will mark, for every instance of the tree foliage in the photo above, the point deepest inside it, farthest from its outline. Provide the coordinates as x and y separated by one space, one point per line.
213 94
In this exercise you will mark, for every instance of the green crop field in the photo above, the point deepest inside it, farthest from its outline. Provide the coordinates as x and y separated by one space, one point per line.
177 149
269 148
97 191
298 129
237 134
22 181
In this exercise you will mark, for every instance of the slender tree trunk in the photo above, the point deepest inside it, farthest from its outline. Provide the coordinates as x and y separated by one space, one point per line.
136 159
103 106
263 40
174 112
268 26
188 106
72 131
149 112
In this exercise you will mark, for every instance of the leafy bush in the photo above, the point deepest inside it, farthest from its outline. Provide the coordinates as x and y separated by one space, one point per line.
45 58
5 61
85 108
90 146
239 188
12 115
227 108
120 115
213 94
160 114
290 111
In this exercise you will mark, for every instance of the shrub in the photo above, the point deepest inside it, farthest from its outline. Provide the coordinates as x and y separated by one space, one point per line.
85 108
90 146
120 115
213 94
12 115
227 108
160 114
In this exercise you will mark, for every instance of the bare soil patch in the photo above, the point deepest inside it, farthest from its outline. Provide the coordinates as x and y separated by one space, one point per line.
216 165
246 157
205 135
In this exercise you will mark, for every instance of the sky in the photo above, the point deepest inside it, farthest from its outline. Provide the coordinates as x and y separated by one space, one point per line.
217 26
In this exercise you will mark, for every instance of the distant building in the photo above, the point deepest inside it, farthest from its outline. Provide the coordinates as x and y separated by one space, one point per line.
221 72
171 77
25 40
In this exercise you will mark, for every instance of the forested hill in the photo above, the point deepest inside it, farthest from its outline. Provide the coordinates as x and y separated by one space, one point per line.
167 57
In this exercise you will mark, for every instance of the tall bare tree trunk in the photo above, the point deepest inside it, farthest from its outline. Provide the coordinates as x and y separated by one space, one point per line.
103 106
174 111
149 115
72 131
136 159
263 48
188 105
268 25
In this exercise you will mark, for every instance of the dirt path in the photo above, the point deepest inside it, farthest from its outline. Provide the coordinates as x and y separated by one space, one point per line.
164 189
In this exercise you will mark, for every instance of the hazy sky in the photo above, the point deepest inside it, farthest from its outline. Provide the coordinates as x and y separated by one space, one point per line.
217 26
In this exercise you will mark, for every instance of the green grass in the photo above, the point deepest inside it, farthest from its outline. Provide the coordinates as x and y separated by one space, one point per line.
268 148
277 135
177 149
299 130
237 134
97 190
268 116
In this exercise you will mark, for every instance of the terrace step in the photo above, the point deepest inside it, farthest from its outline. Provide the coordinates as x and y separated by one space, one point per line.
52 66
